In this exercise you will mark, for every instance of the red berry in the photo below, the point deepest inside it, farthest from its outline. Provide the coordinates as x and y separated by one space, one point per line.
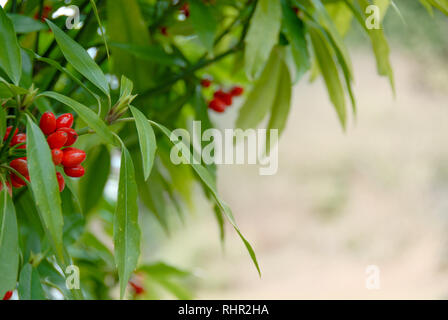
19 138
7 295
74 172
236 91
217 105
8 131
72 157
64 121
48 123
72 136
57 139
16 181
224 97
61 181
137 288
164 31
21 166
205 83
57 155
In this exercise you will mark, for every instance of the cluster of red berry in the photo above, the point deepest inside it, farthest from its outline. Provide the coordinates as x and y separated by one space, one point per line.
221 99
60 136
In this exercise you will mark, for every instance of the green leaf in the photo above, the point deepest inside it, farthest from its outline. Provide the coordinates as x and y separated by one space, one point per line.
30 287
153 53
44 185
261 97
126 228
9 244
295 32
441 5
161 269
203 22
281 105
78 57
147 138
324 19
262 36
2 122
126 87
15 90
168 277
67 72
74 221
86 114
25 24
209 182
152 195
125 24
329 72
10 58
379 43
91 186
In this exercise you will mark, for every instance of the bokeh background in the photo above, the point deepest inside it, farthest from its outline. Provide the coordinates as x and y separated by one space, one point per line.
376 194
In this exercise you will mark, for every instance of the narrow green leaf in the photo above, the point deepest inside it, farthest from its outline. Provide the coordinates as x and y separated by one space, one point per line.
161 269
262 36
25 24
9 244
80 59
147 138
209 182
86 114
441 5
126 87
281 106
324 19
126 228
15 90
30 287
261 97
295 32
2 122
151 193
379 43
91 186
67 72
44 185
203 22
10 58
74 221
125 24
329 72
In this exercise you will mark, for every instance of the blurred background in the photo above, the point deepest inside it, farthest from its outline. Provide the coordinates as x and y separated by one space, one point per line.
376 194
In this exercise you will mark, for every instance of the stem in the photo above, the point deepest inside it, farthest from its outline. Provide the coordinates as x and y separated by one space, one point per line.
201 64
11 133
36 44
